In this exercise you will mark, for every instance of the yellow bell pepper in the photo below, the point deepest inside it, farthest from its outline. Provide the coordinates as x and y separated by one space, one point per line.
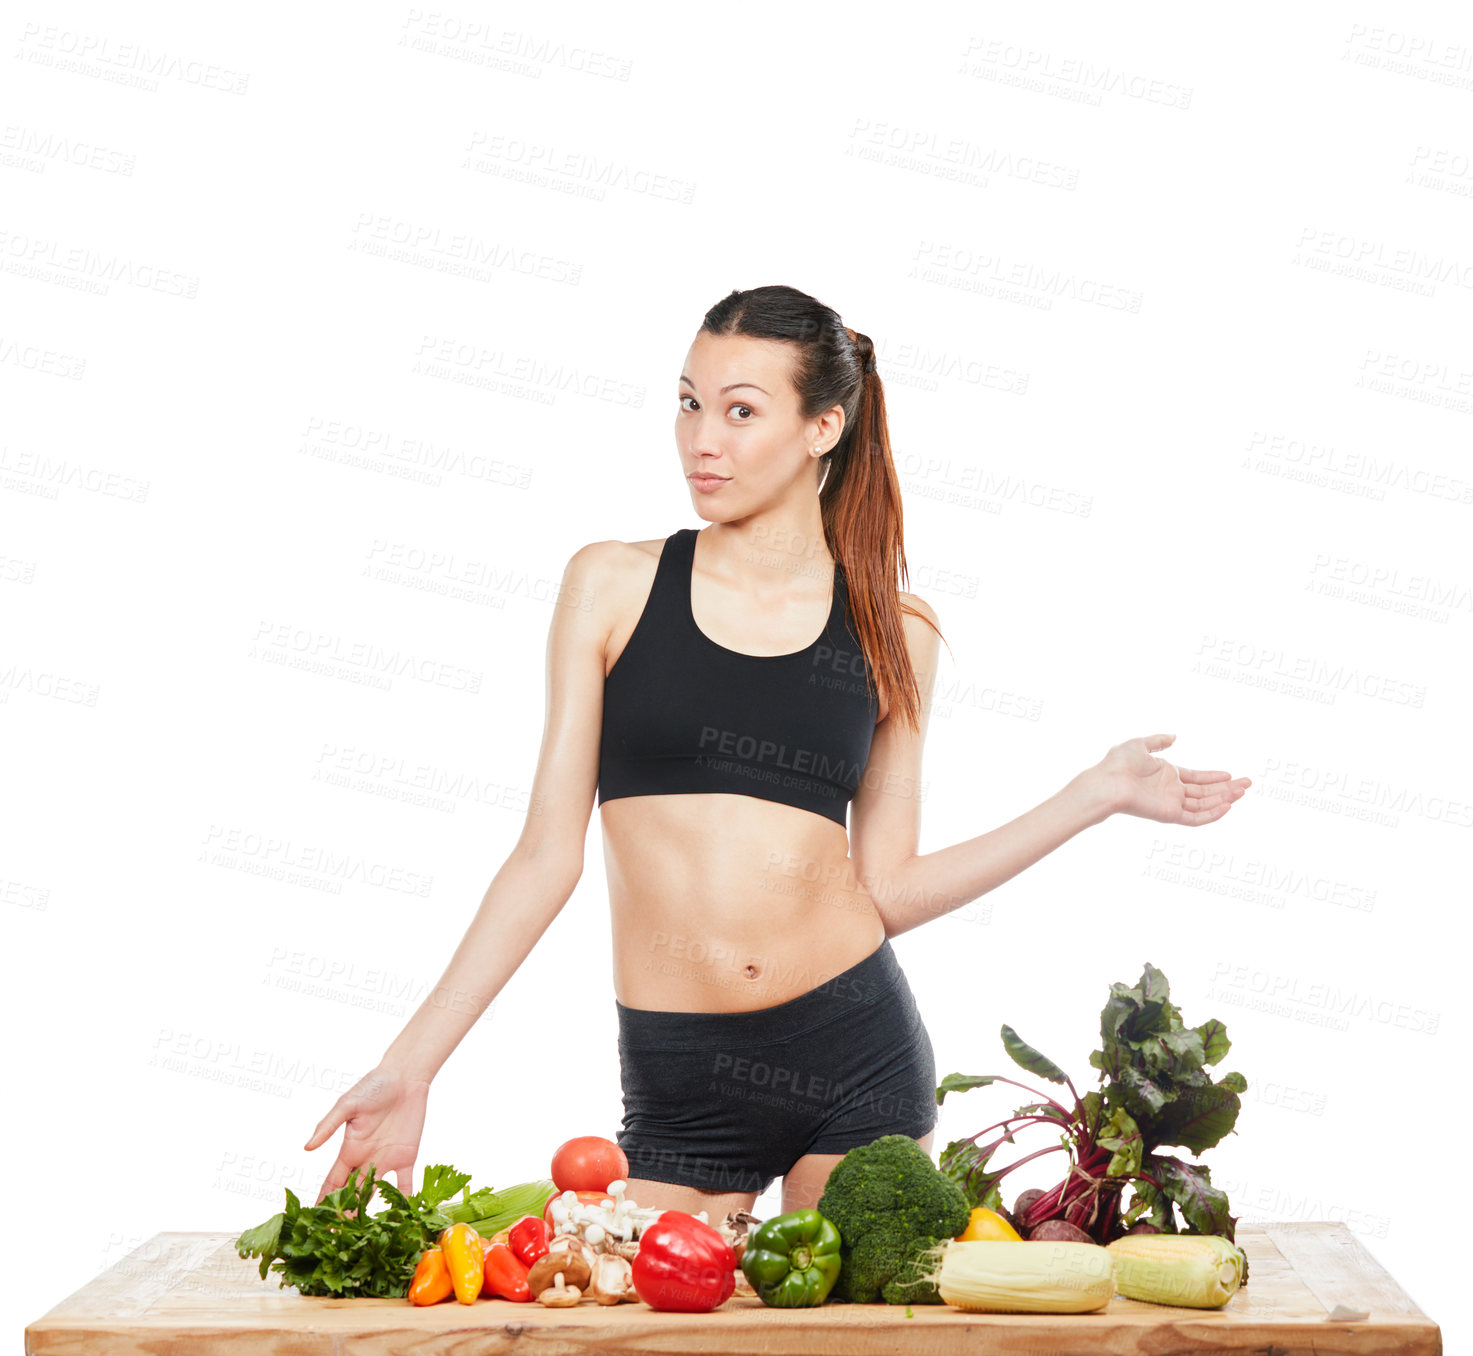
987 1226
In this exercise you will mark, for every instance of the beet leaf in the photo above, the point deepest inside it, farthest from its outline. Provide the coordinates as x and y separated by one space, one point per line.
1155 1090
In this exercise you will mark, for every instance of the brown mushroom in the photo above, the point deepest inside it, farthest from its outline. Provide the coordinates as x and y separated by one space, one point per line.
736 1228
567 1256
612 1280
559 1295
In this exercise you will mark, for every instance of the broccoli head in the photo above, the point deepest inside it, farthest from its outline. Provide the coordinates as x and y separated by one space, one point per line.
890 1202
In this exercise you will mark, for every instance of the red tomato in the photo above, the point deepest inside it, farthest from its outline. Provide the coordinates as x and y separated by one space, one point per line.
586 1197
588 1163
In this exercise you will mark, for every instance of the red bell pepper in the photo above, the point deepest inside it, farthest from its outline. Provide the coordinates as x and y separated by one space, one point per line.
683 1263
506 1276
529 1238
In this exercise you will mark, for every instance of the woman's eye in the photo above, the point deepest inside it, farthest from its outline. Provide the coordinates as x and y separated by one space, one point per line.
748 408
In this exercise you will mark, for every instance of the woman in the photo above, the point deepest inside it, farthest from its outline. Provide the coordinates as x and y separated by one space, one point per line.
726 696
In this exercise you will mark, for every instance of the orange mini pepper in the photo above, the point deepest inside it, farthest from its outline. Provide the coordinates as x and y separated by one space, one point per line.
431 1282
465 1260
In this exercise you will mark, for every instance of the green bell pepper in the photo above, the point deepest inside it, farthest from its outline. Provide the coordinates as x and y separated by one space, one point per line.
792 1260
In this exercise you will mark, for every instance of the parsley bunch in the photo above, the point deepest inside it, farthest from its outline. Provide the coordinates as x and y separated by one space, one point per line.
338 1248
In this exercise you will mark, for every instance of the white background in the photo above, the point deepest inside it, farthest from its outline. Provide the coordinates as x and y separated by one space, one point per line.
334 332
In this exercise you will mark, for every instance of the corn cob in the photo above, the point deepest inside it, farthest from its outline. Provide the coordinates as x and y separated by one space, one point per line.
1026 1278
1195 1271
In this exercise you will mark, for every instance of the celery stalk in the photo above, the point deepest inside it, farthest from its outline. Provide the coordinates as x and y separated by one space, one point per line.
488 1212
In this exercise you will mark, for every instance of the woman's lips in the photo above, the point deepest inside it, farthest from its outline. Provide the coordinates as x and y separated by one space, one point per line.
708 483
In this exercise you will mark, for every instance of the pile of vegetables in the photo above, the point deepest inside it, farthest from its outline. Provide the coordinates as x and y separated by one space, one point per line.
1156 1092
891 1226
558 1241
522 1262
338 1248
618 1251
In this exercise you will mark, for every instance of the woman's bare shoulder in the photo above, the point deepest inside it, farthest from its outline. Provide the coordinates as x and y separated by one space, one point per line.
612 579
917 604
614 558
651 548
612 576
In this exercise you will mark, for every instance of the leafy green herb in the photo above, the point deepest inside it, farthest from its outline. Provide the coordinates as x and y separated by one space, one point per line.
1156 1092
338 1248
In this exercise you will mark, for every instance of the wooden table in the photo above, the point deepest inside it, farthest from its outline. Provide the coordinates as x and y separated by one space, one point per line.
186 1292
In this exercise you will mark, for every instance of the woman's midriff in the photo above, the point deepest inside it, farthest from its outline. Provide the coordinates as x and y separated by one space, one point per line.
726 903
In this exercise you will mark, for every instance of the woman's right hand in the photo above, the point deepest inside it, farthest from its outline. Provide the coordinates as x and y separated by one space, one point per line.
384 1115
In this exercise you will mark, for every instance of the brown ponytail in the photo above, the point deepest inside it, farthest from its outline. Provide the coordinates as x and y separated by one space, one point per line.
859 495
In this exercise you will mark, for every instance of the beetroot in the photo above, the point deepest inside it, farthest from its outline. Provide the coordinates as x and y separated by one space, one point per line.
1058 1231
1025 1199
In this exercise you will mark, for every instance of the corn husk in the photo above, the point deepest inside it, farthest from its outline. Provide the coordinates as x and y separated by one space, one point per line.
1026 1278
1193 1271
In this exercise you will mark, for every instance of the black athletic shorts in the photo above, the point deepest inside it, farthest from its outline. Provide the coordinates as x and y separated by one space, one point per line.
729 1101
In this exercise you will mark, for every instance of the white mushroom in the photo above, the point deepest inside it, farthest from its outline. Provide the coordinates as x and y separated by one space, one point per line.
613 1279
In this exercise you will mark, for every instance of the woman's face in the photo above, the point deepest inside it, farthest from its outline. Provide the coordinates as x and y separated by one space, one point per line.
742 440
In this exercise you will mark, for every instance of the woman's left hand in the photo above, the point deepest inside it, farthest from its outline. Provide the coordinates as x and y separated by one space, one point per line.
1152 788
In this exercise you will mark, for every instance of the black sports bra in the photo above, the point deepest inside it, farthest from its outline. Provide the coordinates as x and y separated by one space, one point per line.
683 714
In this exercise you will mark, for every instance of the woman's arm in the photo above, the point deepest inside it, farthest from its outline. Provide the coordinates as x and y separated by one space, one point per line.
383 1114
910 888
544 866
911 891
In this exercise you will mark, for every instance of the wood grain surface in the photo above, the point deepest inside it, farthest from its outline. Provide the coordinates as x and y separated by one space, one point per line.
189 1292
